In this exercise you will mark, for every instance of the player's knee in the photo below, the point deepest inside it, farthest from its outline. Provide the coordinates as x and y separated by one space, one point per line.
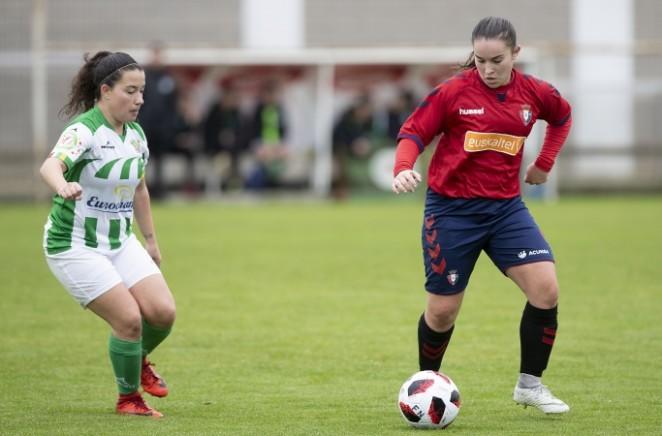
163 316
168 314
129 327
548 294
440 318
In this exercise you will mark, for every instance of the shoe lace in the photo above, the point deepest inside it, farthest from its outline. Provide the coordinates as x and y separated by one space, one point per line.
140 403
137 402
546 395
149 373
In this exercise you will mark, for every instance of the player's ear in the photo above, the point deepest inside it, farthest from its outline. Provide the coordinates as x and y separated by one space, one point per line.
104 91
516 51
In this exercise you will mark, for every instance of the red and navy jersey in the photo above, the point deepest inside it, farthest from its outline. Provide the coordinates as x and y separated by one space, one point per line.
483 131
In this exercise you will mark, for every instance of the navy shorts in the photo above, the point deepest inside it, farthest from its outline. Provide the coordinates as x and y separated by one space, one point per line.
455 230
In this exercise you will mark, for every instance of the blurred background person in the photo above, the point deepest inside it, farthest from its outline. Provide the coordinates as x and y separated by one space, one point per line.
158 115
355 138
398 112
187 142
224 139
267 140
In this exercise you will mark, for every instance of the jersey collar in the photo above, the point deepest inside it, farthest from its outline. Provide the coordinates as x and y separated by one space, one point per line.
501 89
98 114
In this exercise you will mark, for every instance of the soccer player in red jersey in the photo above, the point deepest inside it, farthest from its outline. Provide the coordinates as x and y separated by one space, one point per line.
482 117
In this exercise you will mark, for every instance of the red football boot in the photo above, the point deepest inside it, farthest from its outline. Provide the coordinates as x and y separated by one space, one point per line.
151 382
133 404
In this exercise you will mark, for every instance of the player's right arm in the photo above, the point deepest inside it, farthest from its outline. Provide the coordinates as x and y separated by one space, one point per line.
418 130
52 171
70 148
405 179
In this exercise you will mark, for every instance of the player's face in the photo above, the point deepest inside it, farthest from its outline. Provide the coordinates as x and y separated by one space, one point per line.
126 97
494 60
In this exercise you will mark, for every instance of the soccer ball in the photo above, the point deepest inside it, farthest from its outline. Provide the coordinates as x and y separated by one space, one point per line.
429 399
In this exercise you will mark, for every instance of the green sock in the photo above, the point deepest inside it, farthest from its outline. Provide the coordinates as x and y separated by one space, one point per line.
153 336
126 359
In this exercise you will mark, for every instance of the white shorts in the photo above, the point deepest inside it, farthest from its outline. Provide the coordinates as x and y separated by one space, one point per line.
87 273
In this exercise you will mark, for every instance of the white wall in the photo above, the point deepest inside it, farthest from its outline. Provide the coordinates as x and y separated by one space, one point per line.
603 78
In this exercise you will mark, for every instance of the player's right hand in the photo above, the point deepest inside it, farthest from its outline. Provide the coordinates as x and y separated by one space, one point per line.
70 191
406 181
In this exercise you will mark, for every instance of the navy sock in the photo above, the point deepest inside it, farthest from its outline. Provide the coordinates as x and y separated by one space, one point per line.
537 331
431 345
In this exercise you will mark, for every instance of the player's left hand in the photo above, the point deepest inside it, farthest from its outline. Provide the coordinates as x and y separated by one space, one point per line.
154 252
535 176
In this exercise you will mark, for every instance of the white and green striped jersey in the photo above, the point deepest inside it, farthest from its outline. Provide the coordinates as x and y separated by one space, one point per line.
108 167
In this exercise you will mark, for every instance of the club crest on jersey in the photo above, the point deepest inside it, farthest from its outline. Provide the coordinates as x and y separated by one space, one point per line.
525 114
136 144
452 277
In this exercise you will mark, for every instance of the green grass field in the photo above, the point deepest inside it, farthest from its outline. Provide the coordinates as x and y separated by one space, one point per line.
300 319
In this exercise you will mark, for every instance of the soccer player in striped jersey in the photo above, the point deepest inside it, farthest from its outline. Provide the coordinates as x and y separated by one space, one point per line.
482 117
97 171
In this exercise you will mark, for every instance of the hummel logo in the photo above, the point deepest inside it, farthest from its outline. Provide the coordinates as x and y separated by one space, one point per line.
440 268
429 222
464 111
434 252
107 145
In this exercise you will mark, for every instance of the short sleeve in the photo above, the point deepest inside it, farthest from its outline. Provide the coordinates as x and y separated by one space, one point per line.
74 142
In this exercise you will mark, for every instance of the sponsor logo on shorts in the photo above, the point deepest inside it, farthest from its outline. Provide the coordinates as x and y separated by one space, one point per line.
523 254
480 141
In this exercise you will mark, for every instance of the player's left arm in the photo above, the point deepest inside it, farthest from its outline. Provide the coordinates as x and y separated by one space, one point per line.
558 114
142 211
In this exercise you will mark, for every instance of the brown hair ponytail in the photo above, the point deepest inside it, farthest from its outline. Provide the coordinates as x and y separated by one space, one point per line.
491 28
104 67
